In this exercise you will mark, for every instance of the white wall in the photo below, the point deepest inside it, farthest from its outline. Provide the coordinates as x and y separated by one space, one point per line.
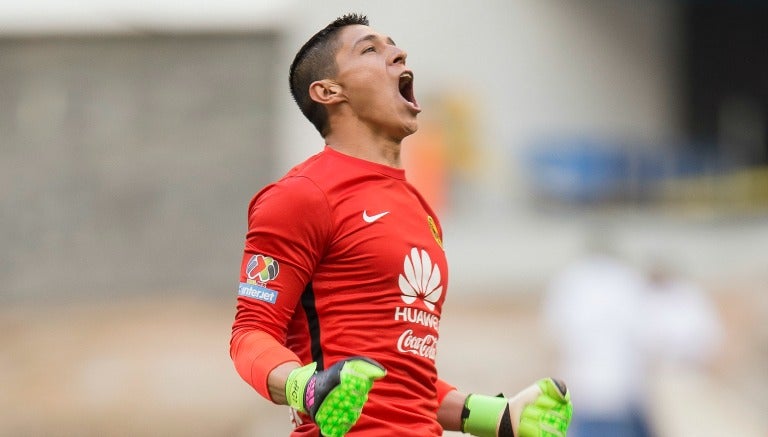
126 16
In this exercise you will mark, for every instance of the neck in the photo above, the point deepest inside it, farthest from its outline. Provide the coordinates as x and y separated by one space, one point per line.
367 145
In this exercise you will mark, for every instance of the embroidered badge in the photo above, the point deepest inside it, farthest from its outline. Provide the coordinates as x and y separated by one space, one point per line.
435 232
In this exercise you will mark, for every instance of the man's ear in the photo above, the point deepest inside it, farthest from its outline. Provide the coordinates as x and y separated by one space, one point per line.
326 92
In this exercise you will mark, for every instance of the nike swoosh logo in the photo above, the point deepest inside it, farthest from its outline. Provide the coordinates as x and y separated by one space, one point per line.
373 218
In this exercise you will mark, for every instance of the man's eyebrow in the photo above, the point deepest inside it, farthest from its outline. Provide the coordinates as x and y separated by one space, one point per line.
372 37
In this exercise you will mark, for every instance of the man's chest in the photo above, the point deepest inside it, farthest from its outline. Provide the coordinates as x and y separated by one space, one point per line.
386 243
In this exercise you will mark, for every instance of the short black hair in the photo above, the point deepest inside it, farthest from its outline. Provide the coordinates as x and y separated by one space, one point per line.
316 60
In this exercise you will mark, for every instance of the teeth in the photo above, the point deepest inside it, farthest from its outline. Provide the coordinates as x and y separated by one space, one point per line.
405 80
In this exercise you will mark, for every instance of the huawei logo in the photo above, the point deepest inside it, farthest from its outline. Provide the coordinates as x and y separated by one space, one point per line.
421 279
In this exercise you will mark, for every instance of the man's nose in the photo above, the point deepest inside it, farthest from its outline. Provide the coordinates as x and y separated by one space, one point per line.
400 56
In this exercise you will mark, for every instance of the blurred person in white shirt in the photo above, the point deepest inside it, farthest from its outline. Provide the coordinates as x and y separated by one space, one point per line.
593 309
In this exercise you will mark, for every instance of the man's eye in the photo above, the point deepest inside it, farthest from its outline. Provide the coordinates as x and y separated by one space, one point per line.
369 49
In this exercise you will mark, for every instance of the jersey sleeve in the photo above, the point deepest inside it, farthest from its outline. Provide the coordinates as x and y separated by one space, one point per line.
288 230
443 388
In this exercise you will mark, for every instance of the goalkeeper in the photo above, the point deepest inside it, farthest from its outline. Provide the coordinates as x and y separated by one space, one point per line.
344 277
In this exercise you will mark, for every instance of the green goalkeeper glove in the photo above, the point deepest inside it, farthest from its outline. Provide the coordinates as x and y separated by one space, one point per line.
333 398
541 410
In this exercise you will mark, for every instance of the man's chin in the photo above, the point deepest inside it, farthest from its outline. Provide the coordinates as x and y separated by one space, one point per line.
404 129
410 128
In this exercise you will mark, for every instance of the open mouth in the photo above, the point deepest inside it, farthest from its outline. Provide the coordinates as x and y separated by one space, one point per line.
406 88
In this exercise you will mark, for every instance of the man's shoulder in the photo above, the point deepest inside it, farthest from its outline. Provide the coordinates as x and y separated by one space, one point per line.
307 166
323 170
292 188
310 181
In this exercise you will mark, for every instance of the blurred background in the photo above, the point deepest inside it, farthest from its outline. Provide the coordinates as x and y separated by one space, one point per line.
600 168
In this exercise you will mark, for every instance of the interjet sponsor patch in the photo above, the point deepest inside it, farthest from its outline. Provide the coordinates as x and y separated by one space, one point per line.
257 292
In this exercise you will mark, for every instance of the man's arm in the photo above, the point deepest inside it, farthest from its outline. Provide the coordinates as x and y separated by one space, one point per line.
279 257
256 354
449 411
277 379
333 398
541 409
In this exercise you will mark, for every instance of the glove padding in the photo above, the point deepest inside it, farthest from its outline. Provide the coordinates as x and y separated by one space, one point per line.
333 398
541 410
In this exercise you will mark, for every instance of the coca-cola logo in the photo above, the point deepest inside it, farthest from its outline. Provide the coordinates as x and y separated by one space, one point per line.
413 344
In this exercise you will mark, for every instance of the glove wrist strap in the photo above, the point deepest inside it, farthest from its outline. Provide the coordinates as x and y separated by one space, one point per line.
296 385
481 415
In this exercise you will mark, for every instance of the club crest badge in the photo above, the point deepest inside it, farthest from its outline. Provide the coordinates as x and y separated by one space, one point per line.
435 231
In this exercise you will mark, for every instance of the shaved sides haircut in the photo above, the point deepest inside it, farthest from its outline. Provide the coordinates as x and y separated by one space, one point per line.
316 60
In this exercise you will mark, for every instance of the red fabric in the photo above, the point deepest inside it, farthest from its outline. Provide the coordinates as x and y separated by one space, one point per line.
258 353
345 286
443 388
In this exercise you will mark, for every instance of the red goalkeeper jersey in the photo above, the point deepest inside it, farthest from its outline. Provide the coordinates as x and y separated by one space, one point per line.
343 257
